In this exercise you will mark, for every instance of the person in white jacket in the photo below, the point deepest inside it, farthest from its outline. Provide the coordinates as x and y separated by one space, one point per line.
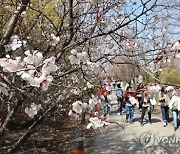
174 105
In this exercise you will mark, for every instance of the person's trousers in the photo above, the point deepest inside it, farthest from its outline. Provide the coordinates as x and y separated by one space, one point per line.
119 100
175 117
144 109
165 113
140 102
106 108
129 112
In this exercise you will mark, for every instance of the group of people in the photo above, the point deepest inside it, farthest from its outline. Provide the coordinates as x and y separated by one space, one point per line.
144 98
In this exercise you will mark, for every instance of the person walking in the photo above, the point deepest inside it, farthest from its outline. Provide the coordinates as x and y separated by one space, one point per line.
164 103
119 94
174 105
146 107
103 96
129 97
139 91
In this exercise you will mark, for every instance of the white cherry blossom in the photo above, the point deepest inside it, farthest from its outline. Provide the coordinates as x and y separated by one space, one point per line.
53 40
77 58
176 46
4 61
15 42
35 58
74 52
93 66
77 108
72 113
31 113
33 110
10 65
27 72
74 59
34 81
92 103
45 81
36 107
84 57
49 66
96 122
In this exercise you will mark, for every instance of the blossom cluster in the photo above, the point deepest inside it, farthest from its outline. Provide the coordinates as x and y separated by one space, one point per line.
82 58
93 101
77 58
77 108
15 43
29 68
165 57
95 122
33 110
53 40
98 122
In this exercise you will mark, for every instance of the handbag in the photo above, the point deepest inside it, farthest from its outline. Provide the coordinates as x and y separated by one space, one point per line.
150 109
153 101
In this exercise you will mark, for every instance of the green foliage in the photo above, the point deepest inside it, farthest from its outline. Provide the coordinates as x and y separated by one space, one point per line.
170 75
146 77
90 91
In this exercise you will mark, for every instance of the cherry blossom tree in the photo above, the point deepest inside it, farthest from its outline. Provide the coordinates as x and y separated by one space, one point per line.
52 52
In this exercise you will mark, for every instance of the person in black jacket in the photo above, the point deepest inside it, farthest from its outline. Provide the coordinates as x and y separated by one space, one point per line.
139 92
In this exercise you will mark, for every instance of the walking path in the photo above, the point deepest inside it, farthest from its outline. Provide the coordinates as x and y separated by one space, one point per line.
136 139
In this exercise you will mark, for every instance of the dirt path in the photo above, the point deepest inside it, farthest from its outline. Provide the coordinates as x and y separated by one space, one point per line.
136 139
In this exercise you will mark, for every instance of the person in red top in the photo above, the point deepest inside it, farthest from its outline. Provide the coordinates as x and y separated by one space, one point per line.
103 96
103 90
129 104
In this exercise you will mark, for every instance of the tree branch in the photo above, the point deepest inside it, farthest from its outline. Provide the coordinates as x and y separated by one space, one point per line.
12 24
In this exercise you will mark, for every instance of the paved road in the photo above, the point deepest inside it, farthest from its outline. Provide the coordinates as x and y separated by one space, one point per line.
136 139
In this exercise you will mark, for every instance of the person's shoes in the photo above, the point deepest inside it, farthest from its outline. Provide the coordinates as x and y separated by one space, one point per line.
119 113
142 123
131 122
165 124
126 121
175 128
150 121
